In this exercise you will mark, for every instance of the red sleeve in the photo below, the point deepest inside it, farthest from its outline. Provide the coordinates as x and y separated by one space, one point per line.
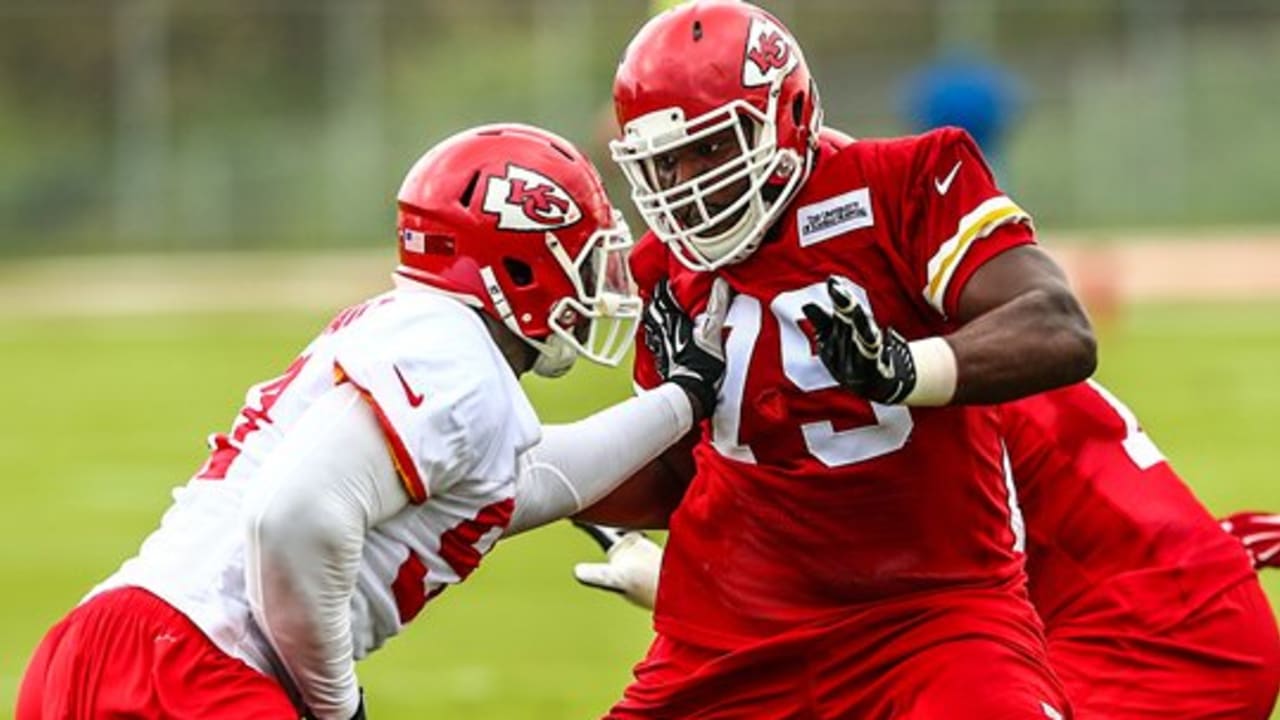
951 211
648 261
644 370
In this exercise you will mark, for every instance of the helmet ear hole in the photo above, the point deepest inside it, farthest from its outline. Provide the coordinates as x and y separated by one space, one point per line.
797 108
519 271
563 151
465 199
750 128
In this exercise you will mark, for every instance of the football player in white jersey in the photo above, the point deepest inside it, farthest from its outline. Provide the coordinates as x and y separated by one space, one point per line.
390 456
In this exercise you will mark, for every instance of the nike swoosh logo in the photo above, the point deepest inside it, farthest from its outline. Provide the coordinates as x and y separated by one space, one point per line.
415 399
943 185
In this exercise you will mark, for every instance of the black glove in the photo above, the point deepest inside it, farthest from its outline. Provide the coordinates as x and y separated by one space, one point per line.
688 351
605 536
874 364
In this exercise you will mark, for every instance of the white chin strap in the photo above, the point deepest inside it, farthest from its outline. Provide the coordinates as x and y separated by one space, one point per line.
555 357
555 354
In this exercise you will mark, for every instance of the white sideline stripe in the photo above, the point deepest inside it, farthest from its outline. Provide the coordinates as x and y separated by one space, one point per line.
1239 265
1235 266
180 284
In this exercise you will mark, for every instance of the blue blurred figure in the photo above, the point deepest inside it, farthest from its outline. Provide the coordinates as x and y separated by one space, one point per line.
968 91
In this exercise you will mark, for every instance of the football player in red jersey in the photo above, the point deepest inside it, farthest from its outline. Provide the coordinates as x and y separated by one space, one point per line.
1150 609
847 546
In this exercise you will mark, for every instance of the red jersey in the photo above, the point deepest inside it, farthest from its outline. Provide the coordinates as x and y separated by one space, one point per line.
808 501
1106 513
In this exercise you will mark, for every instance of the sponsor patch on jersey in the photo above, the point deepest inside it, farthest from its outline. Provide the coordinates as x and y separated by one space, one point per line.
835 215
524 199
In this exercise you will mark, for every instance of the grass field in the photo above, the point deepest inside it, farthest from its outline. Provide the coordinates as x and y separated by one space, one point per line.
104 416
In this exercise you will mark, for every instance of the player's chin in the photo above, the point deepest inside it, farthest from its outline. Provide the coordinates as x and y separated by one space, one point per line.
722 226
729 222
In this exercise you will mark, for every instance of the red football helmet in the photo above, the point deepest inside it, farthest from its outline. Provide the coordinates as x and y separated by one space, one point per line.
710 68
514 220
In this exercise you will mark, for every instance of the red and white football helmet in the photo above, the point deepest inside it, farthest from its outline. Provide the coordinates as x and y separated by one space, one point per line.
700 69
514 220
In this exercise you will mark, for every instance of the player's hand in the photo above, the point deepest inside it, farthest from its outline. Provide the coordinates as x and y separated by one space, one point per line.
873 363
632 566
689 351
1260 533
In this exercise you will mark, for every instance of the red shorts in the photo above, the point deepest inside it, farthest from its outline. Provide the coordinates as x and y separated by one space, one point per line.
127 653
940 666
1219 660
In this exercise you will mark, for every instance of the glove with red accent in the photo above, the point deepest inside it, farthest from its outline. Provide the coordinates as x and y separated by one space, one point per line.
874 363
688 351
1260 533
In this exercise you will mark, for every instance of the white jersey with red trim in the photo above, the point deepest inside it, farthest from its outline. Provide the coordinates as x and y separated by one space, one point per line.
455 420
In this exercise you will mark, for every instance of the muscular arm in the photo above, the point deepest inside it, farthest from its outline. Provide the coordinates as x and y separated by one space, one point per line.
306 515
1023 330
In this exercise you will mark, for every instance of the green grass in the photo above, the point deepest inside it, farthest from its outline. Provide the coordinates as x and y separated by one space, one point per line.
103 417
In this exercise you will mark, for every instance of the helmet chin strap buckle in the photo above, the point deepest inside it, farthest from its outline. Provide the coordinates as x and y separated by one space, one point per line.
787 165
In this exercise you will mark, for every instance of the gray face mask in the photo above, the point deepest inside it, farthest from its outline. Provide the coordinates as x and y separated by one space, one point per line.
555 357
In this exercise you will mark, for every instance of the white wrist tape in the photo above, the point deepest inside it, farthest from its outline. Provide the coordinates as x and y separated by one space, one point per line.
935 364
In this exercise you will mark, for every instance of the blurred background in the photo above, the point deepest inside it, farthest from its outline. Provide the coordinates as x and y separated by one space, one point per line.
189 189
195 125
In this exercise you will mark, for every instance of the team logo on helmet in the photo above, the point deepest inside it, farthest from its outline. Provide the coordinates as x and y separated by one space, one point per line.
527 200
770 53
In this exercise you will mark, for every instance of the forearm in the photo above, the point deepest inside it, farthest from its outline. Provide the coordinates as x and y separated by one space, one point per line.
300 595
646 500
1037 341
577 464
306 517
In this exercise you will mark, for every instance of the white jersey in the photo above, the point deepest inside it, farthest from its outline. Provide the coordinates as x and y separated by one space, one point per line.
455 420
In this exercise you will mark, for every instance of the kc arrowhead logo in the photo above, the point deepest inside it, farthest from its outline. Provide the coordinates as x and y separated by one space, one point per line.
769 53
524 199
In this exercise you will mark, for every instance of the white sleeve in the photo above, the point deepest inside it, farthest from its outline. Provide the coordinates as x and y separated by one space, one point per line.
577 464
306 515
